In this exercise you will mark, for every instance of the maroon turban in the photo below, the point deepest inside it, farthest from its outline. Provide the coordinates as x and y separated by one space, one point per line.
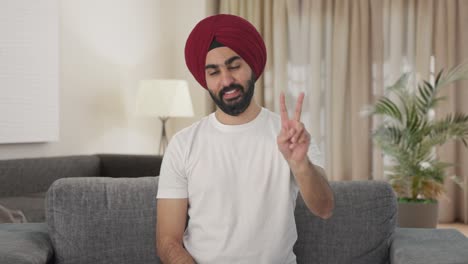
231 31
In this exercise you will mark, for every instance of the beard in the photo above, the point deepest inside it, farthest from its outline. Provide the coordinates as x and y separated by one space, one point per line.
235 106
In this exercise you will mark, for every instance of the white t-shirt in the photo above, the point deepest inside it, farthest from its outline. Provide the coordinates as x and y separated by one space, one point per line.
240 190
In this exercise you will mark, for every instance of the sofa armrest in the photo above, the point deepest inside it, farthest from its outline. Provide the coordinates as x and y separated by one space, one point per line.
427 246
27 243
129 165
359 231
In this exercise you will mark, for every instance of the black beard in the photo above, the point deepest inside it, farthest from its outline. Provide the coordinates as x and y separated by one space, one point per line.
238 107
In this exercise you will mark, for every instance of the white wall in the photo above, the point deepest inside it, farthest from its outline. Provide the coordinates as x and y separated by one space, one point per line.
29 73
106 47
185 15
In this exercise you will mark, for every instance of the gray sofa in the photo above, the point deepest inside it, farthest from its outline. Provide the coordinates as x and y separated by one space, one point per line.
24 182
112 220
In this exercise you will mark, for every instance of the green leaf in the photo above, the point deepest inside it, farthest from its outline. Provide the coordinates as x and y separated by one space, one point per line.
437 79
388 108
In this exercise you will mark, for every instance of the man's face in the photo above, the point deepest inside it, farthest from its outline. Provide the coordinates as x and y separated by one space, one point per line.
230 80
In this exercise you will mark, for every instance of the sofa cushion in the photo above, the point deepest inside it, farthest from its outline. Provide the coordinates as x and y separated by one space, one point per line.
359 231
426 245
25 244
103 220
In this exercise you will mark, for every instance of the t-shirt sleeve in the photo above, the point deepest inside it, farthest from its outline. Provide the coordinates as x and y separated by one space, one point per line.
172 176
314 153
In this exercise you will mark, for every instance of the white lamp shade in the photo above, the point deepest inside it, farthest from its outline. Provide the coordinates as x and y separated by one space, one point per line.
164 98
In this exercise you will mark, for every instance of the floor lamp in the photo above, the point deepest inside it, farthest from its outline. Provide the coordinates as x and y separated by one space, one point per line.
164 99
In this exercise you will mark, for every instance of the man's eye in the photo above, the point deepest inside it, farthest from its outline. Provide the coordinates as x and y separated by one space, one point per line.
213 73
234 67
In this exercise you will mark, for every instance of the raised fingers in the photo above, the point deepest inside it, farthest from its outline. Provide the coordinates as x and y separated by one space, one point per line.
300 100
302 138
298 131
285 136
283 111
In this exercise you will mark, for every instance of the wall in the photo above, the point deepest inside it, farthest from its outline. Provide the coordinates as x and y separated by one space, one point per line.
106 47
183 21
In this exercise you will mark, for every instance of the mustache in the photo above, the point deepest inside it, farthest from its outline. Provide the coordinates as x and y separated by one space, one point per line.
230 87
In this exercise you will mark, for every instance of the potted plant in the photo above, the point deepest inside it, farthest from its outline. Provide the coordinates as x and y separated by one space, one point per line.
408 135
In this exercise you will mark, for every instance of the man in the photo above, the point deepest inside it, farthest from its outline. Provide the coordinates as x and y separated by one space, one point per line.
237 172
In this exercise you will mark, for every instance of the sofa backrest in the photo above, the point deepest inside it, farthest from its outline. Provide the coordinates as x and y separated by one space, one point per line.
129 165
359 231
34 175
23 182
105 220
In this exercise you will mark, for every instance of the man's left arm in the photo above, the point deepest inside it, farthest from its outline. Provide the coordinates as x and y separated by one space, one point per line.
314 187
293 142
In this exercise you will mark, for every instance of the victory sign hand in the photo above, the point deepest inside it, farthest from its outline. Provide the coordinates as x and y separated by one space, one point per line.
293 139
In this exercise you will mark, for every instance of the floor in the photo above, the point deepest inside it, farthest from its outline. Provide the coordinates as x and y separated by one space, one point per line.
459 226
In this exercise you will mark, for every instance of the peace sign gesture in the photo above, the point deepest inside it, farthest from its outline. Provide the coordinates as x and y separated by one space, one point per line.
293 139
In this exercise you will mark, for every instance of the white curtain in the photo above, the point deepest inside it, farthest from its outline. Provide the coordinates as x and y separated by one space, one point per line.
426 36
330 59
270 19
342 54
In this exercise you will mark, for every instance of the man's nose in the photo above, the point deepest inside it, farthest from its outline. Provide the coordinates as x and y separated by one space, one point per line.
226 78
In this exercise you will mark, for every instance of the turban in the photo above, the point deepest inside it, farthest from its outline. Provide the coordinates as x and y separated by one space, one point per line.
231 31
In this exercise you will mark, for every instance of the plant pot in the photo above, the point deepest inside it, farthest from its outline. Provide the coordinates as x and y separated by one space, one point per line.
421 215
